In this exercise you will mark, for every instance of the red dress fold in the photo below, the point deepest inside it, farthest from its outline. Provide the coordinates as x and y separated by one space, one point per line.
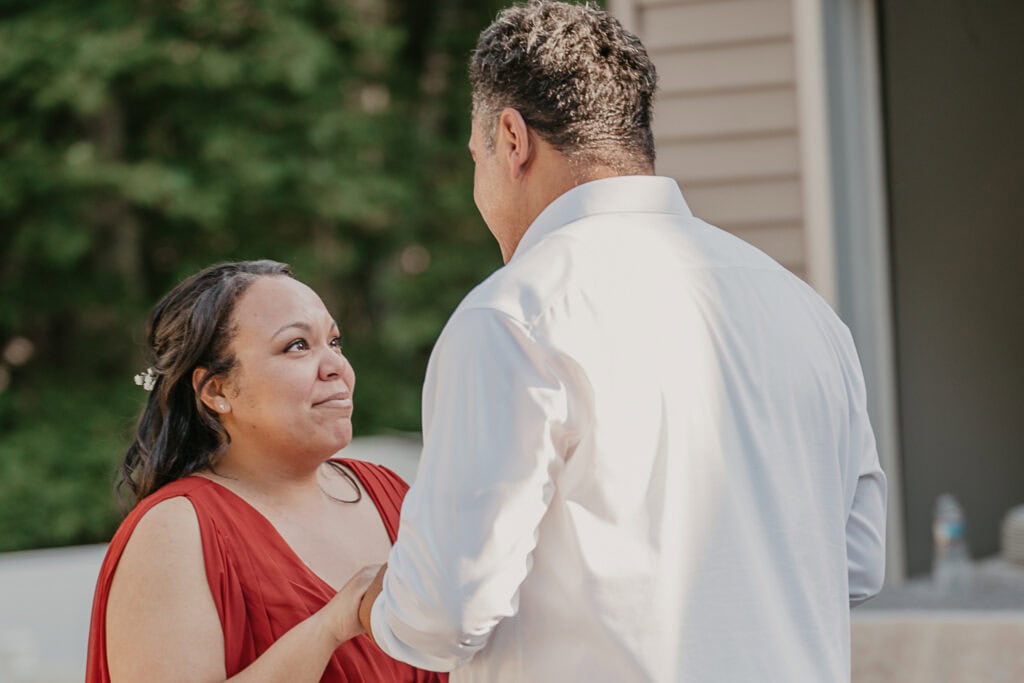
260 586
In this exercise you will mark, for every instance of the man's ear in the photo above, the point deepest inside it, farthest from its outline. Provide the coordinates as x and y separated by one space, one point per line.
514 142
212 392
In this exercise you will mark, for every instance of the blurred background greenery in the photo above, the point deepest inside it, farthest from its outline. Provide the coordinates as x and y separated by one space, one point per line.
141 141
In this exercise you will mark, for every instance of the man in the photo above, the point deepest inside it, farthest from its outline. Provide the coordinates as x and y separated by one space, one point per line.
646 451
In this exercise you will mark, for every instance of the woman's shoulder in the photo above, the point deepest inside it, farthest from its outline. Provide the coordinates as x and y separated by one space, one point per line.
158 544
165 522
155 588
168 507
167 526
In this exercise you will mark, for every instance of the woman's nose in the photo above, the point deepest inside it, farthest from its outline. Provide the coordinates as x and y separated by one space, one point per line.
332 364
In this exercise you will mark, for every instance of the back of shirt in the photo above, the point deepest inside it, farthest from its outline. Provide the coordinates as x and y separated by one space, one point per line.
701 468
709 491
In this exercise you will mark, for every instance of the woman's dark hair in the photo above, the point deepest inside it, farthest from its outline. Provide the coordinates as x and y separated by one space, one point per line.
190 327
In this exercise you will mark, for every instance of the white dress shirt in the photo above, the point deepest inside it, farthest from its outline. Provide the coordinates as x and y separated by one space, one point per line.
646 458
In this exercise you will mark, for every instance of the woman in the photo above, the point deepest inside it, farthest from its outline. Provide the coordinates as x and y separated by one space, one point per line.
244 526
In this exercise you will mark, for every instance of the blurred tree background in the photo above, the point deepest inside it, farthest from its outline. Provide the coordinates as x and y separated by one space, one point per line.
141 141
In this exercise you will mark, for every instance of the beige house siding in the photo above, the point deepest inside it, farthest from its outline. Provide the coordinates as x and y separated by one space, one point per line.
726 116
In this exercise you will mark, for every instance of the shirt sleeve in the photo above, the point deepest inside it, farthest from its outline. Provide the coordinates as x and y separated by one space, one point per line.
865 523
496 423
865 537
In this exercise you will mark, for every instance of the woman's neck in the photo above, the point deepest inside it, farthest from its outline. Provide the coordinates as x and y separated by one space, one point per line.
257 475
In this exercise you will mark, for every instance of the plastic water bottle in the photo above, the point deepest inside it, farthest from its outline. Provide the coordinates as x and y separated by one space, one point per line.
951 567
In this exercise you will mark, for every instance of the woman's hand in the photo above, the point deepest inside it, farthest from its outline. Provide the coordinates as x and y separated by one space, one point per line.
341 614
302 653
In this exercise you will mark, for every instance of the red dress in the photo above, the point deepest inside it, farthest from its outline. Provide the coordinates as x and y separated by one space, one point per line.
260 586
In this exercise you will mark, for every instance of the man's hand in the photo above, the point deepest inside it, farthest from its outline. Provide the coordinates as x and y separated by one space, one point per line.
369 597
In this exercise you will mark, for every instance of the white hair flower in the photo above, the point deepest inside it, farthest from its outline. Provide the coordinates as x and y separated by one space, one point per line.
146 379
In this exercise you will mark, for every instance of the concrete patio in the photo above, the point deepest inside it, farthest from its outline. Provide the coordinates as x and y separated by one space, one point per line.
904 646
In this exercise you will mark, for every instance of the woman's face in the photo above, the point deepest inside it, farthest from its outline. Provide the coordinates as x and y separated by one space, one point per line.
291 390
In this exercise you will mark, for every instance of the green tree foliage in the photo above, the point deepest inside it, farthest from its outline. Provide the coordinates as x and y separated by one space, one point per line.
140 141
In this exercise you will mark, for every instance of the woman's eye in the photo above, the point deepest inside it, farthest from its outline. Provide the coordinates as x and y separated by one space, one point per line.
336 343
297 345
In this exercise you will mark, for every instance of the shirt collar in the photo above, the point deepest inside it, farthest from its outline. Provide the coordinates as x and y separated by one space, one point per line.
621 194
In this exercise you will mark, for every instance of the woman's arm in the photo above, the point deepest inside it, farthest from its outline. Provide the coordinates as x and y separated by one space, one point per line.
162 624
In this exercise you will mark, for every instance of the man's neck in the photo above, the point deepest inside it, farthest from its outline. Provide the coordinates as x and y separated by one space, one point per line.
548 182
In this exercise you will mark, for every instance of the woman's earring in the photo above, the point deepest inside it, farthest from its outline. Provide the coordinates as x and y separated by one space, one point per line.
222 405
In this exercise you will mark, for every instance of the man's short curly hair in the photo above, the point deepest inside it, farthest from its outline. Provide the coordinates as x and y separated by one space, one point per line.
578 78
